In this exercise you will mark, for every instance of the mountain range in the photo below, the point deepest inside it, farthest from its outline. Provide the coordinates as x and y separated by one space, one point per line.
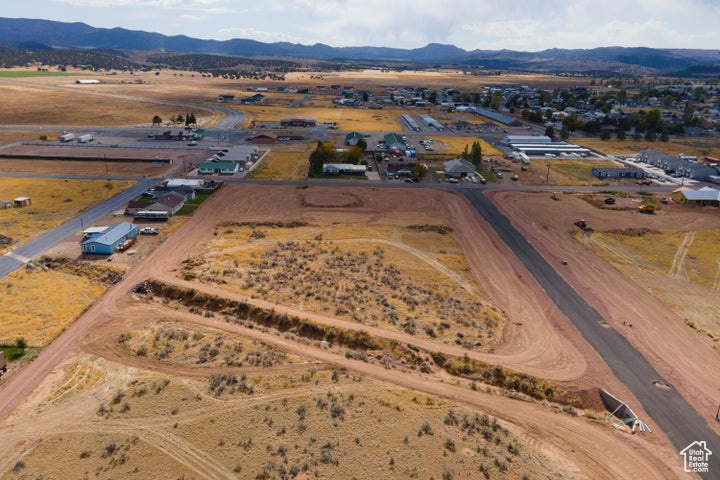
20 33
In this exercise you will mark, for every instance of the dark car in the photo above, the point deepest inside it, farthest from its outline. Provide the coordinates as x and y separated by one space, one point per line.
609 201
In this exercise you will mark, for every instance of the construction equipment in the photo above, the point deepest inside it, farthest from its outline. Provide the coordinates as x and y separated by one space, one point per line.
582 225
3 364
650 209
554 196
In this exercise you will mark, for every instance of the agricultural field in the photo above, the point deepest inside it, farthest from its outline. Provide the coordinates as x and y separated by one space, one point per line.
53 202
676 146
284 162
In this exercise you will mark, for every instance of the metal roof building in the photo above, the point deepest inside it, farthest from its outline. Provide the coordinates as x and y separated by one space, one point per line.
411 122
495 116
431 122
110 239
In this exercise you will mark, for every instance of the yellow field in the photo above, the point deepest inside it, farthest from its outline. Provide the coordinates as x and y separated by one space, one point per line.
26 136
64 298
569 172
700 148
285 162
27 105
53 202
348 119
456 145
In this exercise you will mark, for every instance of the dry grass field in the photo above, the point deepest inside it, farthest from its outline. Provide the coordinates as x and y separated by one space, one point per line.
64 297
31 105
53 202
348 119
284 162
681 267
569 172
456 145
675 146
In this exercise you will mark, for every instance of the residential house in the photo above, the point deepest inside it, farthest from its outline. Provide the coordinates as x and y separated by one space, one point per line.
353 138
218 168
343 169
110 239
618 172
704 196
458 168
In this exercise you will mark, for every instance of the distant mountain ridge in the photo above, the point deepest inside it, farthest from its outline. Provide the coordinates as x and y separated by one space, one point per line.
24 33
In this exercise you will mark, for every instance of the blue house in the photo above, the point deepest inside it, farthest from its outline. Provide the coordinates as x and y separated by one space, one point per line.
107 241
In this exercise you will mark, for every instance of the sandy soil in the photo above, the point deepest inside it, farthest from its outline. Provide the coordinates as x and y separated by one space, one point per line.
538 340
682 355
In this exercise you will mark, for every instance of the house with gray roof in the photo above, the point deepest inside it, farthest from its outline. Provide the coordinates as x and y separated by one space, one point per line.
458 168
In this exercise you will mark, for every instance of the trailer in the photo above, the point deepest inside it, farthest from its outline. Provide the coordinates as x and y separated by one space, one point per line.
88 137
66 137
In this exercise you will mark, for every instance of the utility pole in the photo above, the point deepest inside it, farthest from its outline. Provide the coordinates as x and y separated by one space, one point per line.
547 178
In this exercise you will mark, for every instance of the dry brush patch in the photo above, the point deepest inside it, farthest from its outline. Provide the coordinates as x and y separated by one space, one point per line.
390 276
285 162
327 424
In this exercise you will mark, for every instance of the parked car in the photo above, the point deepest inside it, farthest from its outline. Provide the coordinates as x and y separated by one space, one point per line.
452 180
149 231
609 201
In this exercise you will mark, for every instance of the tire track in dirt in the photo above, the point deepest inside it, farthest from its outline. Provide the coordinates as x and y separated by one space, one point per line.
677 268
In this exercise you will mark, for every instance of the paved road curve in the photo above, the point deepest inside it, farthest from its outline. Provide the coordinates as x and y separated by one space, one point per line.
668 409
24 253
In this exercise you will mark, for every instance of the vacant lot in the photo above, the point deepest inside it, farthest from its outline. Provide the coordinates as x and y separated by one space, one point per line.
348 119
53 202
570 172
456 145
285 162
22 314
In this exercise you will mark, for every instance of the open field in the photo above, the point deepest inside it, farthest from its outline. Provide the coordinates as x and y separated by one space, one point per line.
84 167
64 297
680 267
23 73
32 105
285 162
161 385
570 172
456 145
348 119
53 202
676 146
12 136
406 277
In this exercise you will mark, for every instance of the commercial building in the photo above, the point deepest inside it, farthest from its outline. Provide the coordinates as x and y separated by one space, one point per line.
298 122
343 169
458 168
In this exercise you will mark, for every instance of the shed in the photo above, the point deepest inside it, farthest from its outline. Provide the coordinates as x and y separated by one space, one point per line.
22 202
112 238
5 204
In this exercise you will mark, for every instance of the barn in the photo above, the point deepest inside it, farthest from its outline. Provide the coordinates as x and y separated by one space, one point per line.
110 239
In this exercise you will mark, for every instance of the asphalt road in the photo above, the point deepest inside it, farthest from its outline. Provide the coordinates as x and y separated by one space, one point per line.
20 256
668 409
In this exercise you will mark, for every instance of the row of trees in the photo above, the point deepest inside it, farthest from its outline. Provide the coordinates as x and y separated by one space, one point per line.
188 119
325 152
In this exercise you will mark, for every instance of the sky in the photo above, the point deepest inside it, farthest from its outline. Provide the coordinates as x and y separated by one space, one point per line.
525 25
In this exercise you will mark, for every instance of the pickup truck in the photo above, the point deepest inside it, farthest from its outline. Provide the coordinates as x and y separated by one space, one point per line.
149 231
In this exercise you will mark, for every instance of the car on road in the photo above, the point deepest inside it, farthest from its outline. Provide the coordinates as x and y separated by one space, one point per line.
149 231
452 180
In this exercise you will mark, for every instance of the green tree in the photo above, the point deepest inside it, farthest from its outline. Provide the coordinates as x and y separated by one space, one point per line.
496 101
325 152
550 131
419 170
621 135
475 156
362 144
156 120
352 155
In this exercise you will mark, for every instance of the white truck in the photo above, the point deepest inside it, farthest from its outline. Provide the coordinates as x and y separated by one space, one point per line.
66 137
88 137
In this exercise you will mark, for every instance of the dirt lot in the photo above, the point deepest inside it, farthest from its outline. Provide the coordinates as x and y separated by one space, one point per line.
127 419
680 353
